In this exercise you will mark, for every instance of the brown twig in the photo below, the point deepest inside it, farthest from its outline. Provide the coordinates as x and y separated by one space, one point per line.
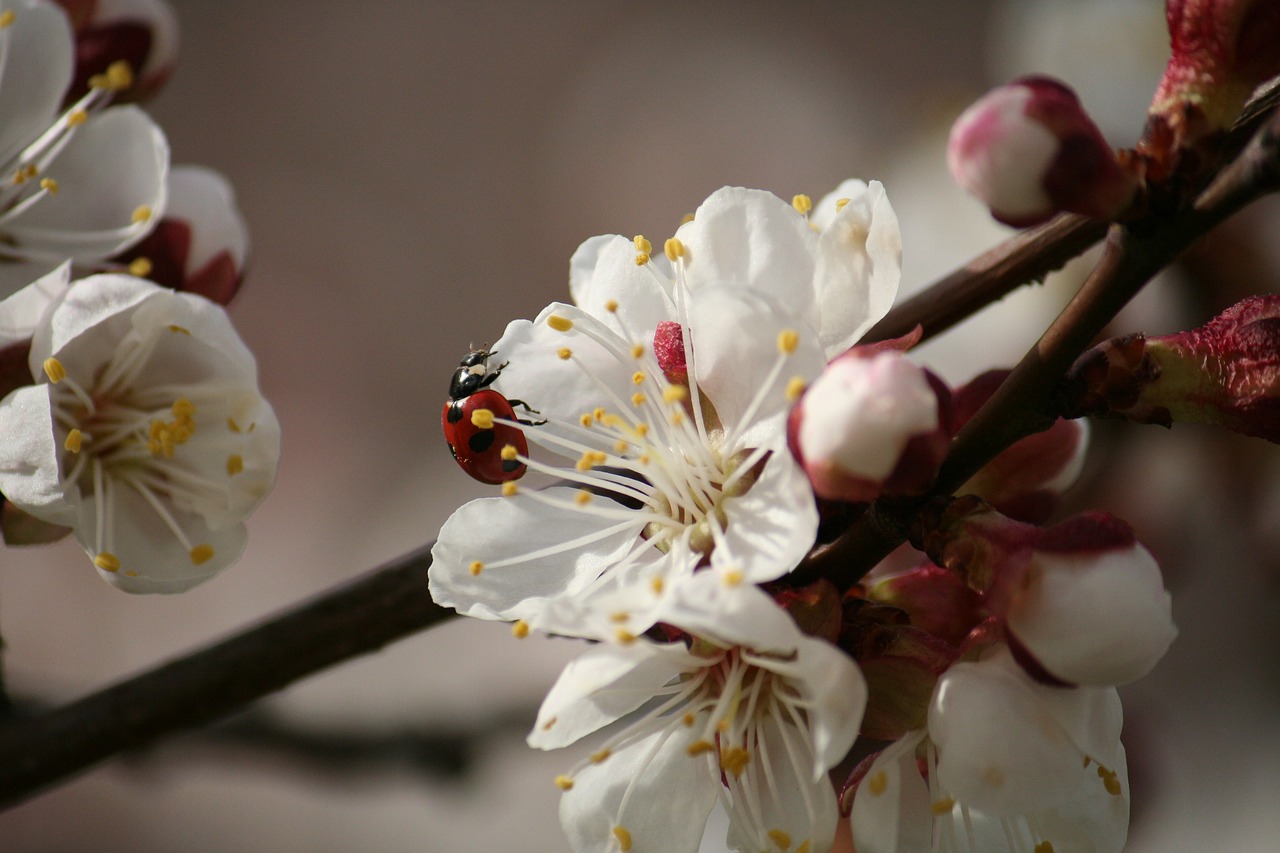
1022 404
386 605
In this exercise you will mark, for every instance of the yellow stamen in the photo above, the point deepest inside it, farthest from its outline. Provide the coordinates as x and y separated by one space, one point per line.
878 783
611 306
54 370
599 413
564 783
107 561
235 464
482 418
803 848
140 214
75 118
686 219
675 394
734 760
520 629
642 258
688 719
582 498
674 249
779 838
119 76
508 453
638 399
560 324
641 244
623 636
788 340
201 554
624 838
509 490
840 203
1109 781
698 747
586 420
637 377
795 388
6 18
637 350
141 267
564 353
943 806
802 203
601 756
475 568
733 577
74 439
49 185
232 425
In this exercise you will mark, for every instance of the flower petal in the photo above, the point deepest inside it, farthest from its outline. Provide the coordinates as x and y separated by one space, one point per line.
773 525
36 63
29 473
603 272
891 807
22 312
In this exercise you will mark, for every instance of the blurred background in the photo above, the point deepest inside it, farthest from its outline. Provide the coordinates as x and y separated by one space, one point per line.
417 174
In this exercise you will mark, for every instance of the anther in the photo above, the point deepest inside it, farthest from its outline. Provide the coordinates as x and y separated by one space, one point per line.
674 249
840 203
780 838
795 388
75 118
656 584
624 838
698 747
475 568
675 394
582 498
564 783
600 757
508 453
201 554
74 440
642 245
235 464
482 418
6 19
520 629
624 637
802 203
788 340
232 425
688 719
509 490
586 420
734 760
638 399
637 377
637 350
733 577
611 306
560 324
49 185
107 561
878 783
564 353
943 806
642 258
54 370
141 267
141 214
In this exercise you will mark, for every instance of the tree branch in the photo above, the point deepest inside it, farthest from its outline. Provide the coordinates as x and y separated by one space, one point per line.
385 605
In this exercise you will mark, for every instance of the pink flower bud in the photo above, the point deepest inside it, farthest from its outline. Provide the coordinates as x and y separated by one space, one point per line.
1029 151
1221 51
1226 372
1026 479
872 423
141 33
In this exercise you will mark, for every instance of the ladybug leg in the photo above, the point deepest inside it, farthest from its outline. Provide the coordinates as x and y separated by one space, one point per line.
522 404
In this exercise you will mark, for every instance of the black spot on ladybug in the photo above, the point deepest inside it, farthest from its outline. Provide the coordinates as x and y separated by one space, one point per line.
481 441
455 415
510 465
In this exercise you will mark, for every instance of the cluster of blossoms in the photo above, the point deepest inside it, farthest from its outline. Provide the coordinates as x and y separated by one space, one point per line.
132 417
716 417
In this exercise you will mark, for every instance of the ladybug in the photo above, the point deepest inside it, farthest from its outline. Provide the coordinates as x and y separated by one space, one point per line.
479 451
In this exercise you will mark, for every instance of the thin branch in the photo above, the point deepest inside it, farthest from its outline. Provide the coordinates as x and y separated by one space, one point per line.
1022 405
385 605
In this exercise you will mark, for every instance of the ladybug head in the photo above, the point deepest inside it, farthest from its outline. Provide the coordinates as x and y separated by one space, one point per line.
472 374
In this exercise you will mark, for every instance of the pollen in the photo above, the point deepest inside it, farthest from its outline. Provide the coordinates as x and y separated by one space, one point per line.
642 258
54 370
788 340
585 462
637 350
560 324
6 19
943 806
235 464
780 838
520 629
107 561
802 203
624 838
674 249
601 756
642 430
475 568
141 214
201 554
734 760
118 76
623 636
586 420
598 413
75 118
637 378
482 419
675 393
642 245
582 498
698 747
509 490
878 783
141 267
74 440
795 388
564 353
564 783
49 185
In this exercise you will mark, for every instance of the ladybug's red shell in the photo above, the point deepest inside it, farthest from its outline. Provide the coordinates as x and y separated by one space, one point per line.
479 451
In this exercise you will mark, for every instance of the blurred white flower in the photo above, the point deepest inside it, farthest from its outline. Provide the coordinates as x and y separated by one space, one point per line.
752 713
82 183
147 434
668 387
